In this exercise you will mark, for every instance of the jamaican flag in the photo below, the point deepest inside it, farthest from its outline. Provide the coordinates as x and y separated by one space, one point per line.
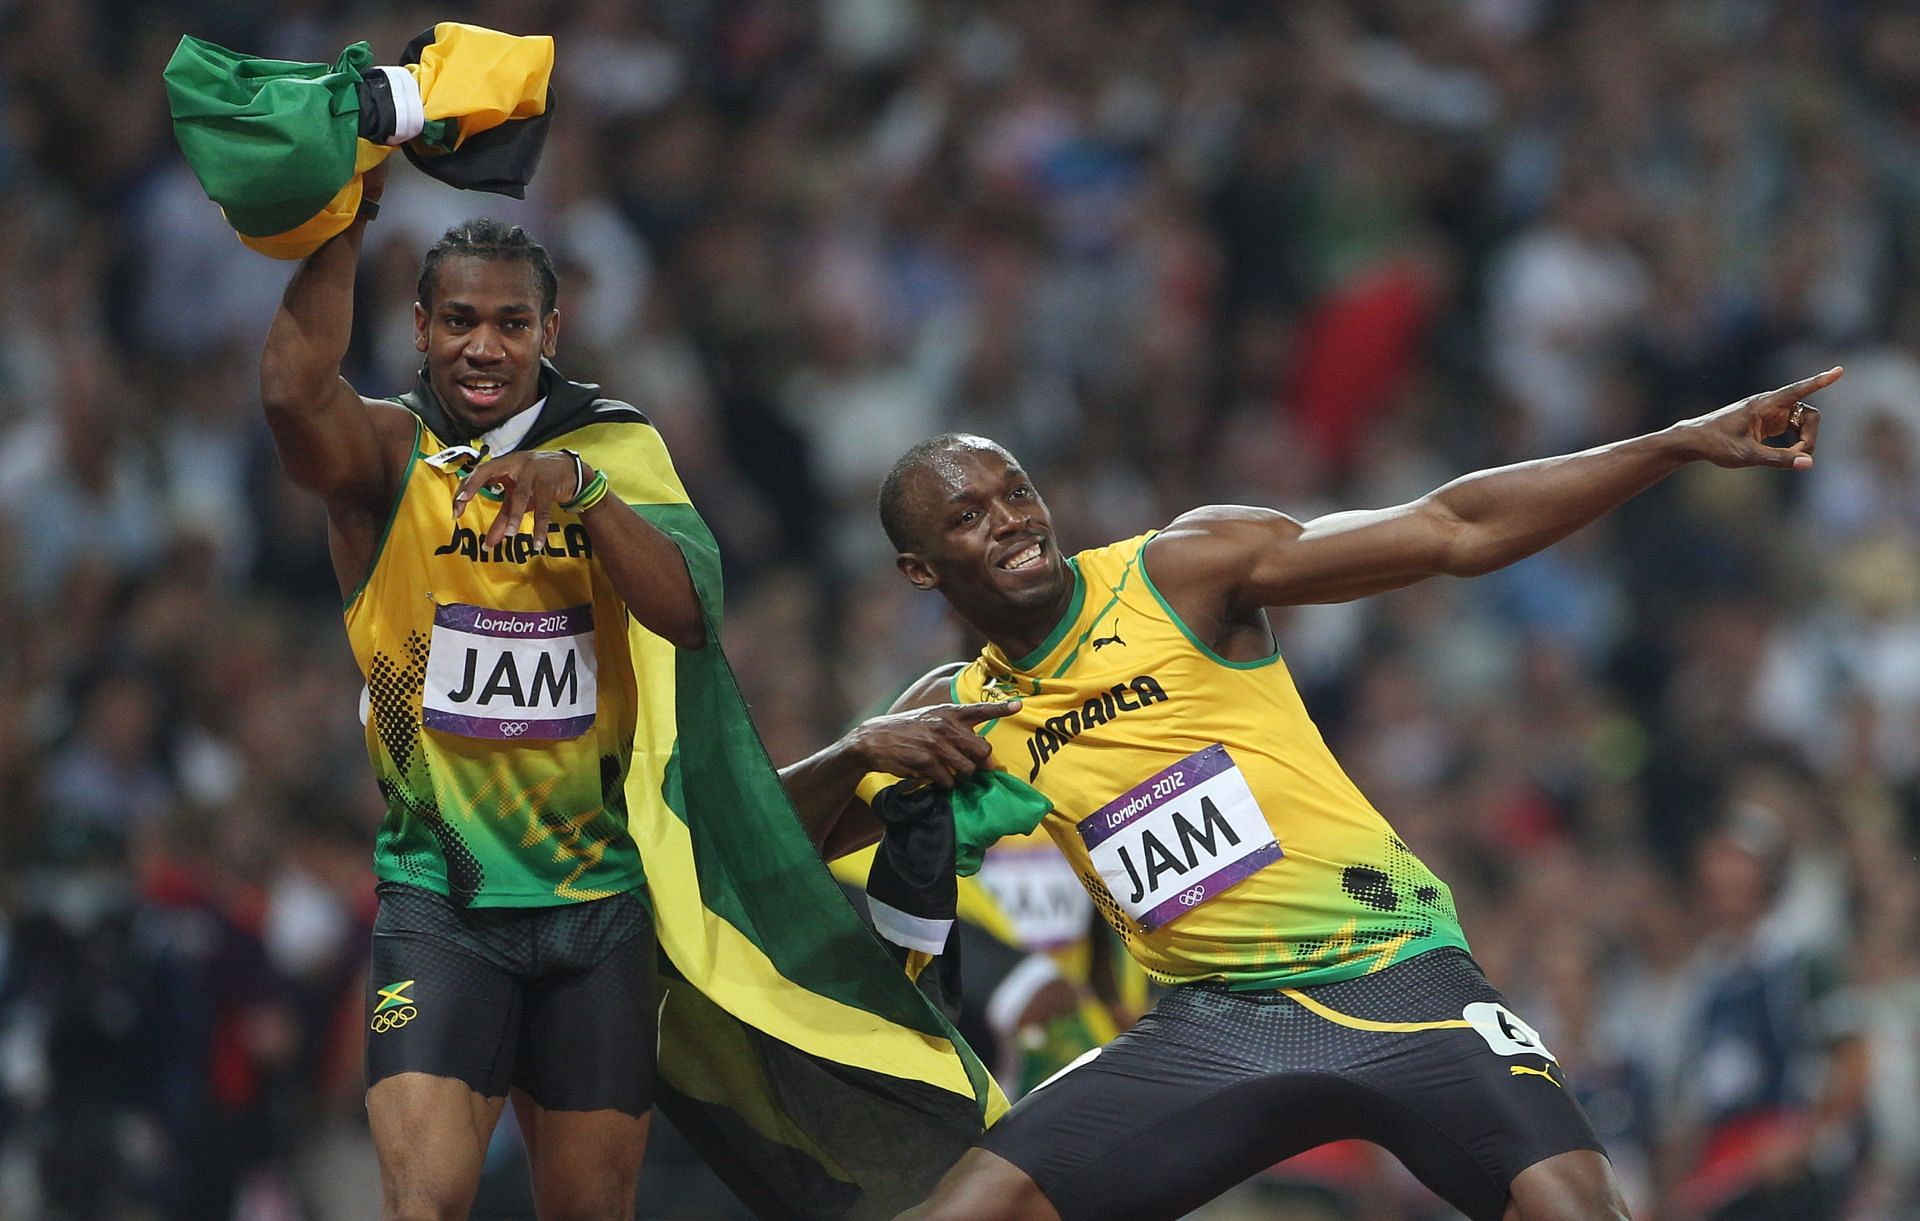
281 146
805 1066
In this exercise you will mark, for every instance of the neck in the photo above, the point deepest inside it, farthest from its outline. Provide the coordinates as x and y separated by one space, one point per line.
1018 632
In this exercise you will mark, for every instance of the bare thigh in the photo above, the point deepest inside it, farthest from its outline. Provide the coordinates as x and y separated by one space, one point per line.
431 1136
586 1164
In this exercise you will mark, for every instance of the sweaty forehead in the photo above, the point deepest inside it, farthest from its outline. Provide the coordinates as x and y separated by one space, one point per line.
954 474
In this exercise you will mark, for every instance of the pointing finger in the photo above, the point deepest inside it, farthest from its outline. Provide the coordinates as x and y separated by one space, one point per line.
993 710
1806 386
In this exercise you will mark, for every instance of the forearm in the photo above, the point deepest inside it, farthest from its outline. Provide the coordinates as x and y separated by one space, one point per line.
821 787
308 338
1496 517
648 572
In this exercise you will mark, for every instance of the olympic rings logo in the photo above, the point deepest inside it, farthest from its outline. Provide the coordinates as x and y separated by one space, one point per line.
513 729
393 1019
1192 897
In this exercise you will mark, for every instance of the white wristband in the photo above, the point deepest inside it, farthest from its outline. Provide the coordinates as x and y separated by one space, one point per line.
409 112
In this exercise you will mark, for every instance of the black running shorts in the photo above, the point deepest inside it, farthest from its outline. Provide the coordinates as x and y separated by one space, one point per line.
1213 1086
559 1001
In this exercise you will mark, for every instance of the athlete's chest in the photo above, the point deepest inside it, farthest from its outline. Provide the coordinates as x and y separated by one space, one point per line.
513 645
1111 702
455 551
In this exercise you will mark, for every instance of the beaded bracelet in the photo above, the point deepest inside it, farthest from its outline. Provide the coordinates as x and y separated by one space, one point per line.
589 496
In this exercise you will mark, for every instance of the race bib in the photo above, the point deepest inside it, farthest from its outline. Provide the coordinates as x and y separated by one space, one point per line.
510 674
1179 838
1039 893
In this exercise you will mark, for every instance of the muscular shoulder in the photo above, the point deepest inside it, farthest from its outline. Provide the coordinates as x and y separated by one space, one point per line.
1212 545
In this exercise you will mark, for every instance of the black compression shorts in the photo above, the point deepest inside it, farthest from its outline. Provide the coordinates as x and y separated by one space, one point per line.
1213 1086
558 1001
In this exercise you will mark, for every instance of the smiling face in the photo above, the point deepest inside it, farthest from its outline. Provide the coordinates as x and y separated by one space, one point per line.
483 335
981 535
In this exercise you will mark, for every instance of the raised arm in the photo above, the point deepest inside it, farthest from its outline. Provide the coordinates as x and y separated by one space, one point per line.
1219 564
921 737
331 441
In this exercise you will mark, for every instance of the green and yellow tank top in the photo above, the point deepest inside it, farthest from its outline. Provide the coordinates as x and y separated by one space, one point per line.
500 706
1196 799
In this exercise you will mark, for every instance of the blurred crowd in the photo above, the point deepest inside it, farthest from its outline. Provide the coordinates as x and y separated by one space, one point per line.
1309 254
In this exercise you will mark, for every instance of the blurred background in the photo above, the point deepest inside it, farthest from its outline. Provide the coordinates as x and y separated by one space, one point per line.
1310 255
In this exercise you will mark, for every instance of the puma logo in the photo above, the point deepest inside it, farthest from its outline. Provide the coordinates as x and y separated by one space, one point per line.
1103 641
1518 1069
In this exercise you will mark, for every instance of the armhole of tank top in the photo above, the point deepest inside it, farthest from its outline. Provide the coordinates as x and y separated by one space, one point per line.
393 515
1173 617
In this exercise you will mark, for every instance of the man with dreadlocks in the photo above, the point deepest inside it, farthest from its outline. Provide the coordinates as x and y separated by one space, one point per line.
513 949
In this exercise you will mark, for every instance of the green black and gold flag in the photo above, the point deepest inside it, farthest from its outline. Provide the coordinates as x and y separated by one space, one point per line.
281 146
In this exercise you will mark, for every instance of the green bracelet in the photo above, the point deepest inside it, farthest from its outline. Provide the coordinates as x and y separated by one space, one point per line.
589 496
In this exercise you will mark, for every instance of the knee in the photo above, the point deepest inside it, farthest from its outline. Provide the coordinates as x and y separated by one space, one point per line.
418 1206
590 1210
602 1201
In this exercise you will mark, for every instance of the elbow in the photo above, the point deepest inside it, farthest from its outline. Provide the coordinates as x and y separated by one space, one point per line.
1457 547
1471 558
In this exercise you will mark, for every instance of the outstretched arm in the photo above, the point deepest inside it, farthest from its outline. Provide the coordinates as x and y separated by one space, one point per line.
1222 563
921 737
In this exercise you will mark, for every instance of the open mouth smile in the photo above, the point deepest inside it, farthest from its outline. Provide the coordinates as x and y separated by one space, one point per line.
483 392
1027 557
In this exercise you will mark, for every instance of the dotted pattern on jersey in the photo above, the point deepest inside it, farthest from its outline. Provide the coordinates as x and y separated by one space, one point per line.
393 691
1110 908
1400 885
465 874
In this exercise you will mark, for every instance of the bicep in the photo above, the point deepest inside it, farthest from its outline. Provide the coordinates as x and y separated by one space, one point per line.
1250 558
340 446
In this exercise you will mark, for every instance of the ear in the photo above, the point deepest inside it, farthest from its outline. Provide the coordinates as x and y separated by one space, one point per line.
550 334
916 570
419 327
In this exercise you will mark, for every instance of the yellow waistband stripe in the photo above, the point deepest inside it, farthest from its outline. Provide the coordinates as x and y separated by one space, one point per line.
1334 1015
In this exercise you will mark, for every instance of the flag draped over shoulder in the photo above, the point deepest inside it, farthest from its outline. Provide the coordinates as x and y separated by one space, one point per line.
803 1064
282 146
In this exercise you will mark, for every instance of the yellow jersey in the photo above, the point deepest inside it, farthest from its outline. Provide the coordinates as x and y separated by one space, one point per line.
501 699
1197 801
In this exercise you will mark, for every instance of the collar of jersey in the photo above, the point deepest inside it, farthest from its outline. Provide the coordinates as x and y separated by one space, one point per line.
506 436
1059 631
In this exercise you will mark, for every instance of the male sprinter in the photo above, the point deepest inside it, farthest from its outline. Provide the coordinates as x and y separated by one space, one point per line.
1324 989
513 949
